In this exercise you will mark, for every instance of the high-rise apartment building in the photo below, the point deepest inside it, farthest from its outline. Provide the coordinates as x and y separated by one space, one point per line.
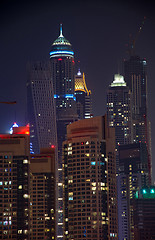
135 73
133 175
136 78
119 112
89 181
143 212
62 69
40 106
43 214
83 97
15 185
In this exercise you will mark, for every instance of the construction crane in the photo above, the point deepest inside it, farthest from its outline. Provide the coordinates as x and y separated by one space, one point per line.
132 42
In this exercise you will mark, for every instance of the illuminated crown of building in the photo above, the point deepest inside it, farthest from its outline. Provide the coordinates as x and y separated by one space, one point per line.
118 81
61 46
80 84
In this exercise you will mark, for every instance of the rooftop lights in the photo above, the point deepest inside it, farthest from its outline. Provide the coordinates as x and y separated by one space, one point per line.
118 81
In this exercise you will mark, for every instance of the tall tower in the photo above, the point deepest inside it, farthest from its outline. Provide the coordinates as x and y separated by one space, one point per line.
42 197
62 76
135 73
83 97
119 112
133 175
15 185
40 106
89 181
62 66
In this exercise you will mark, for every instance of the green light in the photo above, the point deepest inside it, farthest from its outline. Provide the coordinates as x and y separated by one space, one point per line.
152 190
136 194
144 191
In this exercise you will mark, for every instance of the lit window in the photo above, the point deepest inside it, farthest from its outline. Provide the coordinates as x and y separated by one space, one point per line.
25 161
26 196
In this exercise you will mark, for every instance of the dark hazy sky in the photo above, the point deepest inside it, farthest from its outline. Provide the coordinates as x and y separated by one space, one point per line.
98 31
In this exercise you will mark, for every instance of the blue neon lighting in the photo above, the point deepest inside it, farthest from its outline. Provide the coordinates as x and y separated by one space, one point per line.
93 163
69 96
70 198
61 52
66 96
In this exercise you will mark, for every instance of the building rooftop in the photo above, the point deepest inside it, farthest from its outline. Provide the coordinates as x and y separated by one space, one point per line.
61 46
118 81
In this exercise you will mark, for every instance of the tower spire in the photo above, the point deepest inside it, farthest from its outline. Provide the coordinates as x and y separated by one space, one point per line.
61 35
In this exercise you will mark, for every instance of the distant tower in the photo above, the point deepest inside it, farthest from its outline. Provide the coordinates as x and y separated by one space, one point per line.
119 111
40 106
89 180
83 97
62 67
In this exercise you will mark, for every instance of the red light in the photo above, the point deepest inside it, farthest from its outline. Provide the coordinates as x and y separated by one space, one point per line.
59 59
21 130
52 146
73 61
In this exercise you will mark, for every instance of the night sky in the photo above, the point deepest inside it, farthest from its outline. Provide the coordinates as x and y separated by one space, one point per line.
99 32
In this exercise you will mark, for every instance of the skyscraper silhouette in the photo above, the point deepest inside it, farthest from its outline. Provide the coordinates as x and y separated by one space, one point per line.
40 106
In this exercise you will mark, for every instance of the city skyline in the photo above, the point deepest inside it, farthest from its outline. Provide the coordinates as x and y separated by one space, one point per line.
98 53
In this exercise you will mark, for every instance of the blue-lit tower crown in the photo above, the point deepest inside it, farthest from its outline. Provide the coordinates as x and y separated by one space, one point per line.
61 47
62 65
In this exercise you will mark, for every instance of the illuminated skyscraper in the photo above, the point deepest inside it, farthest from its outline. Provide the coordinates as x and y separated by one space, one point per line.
143 208
133 175
40 106
62 68
83 97
89 181
15 185
136 78
135 73
43 219
119 112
